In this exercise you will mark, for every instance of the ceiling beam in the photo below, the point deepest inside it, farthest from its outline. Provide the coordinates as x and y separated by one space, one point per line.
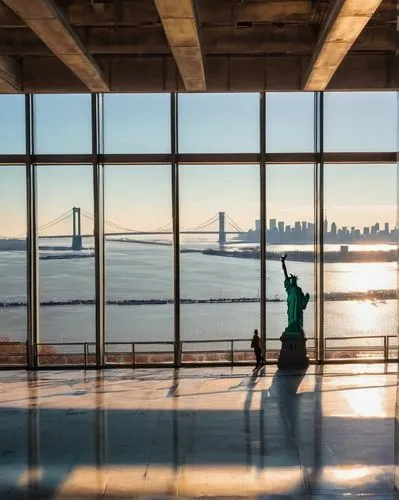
10 75
345 22
49 24
179 20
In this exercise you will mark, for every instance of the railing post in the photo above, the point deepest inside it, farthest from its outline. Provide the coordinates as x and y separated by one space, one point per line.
133 356
386 350
27 353
85 353
36 353
180 352
232 352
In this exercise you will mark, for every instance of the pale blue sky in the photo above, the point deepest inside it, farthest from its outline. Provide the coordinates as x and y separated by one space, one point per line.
139 197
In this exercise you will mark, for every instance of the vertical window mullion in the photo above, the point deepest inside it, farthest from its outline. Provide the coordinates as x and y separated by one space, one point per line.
176 226
319 229
98 187
33 323
262 182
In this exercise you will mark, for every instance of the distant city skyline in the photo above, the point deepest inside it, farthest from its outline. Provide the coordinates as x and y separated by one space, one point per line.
303 232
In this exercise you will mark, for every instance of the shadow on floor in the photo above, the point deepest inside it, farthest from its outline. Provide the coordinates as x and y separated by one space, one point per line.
278 429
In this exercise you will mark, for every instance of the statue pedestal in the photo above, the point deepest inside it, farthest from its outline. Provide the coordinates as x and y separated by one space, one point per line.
293 351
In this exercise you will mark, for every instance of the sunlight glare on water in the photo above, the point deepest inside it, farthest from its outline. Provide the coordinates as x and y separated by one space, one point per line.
363 276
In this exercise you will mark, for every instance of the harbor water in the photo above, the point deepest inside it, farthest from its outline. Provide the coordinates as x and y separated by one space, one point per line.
145 272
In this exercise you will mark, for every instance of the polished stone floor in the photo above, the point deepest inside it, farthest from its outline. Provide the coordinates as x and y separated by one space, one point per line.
221 432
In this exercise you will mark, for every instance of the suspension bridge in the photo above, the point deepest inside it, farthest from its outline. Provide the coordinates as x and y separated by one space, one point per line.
225 226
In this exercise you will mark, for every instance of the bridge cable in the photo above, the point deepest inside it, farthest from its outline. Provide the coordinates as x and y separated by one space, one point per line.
204 224
235 225
56 220
53 223
163 228
110 223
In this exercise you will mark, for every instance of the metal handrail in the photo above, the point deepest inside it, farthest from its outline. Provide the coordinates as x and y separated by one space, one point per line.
141 342
133 347
50 354
384 346
64 343
13 343
368 337
383 343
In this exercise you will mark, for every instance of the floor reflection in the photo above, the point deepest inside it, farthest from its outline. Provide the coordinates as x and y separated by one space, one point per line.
193 432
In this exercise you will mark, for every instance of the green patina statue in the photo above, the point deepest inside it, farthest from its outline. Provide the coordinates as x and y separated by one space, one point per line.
296 302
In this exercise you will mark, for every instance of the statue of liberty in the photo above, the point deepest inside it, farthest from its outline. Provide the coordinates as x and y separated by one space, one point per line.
296 302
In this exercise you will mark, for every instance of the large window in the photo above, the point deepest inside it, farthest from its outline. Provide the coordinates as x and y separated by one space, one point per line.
290 122
137 123
66 247
12 124
290 230
12 265
360 121
139 263
360 259
218 123
220 271
62 124
213 143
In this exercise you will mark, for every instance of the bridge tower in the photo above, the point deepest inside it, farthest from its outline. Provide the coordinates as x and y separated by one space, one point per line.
222 230
77 234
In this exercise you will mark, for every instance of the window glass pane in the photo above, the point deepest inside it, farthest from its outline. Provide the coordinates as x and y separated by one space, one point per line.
63 123
66 270
290 230
137 123
289 122
220 280
360 259
12 265
218 123
139 262
360 121
12 129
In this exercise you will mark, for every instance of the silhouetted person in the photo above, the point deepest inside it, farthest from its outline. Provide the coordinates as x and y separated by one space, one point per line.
257 347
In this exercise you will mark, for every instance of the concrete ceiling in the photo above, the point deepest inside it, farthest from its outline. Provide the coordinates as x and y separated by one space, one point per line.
209 45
